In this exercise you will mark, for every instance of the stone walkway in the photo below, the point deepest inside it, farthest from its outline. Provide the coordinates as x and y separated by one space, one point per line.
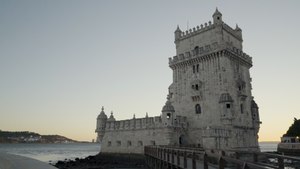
10 161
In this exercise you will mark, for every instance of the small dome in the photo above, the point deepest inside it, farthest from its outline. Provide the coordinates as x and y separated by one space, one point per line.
111 117
168 107
102 114
225 97
253 104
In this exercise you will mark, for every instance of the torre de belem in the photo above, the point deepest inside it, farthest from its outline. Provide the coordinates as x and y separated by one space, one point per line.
209 105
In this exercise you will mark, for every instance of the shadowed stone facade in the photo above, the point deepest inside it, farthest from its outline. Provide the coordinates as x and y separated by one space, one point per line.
209 105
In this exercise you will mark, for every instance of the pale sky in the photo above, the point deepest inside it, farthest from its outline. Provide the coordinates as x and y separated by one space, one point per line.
60 61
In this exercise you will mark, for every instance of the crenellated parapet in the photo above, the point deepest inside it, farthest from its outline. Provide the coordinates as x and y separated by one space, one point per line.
196 30
208 52
207 27
234 32
144 123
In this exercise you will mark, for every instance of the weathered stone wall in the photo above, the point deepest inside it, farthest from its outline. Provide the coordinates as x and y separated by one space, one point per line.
133 141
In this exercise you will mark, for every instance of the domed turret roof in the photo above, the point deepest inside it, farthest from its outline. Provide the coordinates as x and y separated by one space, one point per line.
111 117
217 13
178 29
102 114
168 107
225 97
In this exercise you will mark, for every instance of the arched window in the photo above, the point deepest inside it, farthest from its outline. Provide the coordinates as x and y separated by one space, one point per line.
198 109
196 87
196 50
242 108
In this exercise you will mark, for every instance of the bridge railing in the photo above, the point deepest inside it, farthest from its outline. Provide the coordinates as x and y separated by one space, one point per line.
158 157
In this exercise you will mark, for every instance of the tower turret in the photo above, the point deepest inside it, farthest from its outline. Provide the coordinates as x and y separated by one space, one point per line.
168 113
255 114
111 117
238 31
177 34
101 124
217 16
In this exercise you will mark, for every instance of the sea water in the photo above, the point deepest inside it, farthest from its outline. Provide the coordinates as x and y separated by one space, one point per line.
60 152
51 153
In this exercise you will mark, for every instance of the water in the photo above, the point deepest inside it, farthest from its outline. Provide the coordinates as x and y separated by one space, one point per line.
268 146
52 152
55 152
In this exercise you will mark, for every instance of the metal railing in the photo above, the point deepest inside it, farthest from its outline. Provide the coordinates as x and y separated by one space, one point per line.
161 157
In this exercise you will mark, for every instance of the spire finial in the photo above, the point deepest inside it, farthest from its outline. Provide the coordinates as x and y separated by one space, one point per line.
217 12
102 108
177 29
111 113
134 116
146 114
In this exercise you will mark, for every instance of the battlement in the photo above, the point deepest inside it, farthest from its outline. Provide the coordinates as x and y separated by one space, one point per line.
144 123
206 27
206 51
196 30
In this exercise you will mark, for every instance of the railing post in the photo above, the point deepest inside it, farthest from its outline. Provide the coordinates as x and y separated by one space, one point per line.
255 158
178 158
221 163
172 158
185 160
205 162
194 160
280 163
161 158
168 155
168 158
245 165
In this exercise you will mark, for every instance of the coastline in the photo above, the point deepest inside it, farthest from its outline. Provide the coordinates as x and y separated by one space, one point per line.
105 161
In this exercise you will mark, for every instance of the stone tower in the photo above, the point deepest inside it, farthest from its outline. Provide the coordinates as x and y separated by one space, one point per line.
212 86
101 124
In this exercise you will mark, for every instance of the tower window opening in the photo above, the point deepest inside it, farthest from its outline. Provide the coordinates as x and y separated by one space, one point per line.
168 115
218 18
140 143
240 88
196 87
118 143
196 50
128 143
197 67
194 69
228 106
109 143
242 108
198 109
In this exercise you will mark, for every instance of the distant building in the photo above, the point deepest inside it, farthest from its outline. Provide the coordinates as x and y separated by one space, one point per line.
209 105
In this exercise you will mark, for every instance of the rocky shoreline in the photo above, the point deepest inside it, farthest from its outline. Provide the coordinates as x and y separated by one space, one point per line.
105 161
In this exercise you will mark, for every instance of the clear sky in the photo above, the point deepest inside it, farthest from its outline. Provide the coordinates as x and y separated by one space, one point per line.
60 61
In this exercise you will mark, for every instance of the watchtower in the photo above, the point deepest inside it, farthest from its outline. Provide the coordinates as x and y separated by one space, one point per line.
212 86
